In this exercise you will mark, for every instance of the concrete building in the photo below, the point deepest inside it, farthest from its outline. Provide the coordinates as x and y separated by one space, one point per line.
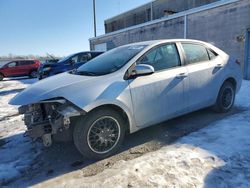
225 23
144 14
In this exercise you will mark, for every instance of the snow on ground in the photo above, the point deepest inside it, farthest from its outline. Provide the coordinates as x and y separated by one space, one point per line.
216 156
16 152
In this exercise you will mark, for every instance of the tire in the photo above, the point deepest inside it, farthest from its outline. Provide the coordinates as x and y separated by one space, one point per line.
99 134
33 74
225 99
1 77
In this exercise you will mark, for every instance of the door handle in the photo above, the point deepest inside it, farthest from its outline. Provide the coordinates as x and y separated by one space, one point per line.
182 75
219 65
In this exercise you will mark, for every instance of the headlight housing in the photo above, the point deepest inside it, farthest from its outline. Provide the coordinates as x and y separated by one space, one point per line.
47 69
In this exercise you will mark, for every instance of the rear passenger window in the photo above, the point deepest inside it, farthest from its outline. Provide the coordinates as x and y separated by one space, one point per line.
22 63
31 62
195 53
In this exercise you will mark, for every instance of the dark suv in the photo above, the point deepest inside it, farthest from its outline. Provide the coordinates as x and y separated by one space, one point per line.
20 68
68 63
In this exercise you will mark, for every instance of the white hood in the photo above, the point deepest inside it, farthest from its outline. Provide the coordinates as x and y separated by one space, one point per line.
78 89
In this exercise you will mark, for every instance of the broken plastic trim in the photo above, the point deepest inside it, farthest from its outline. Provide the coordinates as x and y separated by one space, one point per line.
46 118
25 108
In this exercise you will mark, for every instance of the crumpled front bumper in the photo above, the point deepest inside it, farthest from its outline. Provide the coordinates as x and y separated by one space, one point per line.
48 118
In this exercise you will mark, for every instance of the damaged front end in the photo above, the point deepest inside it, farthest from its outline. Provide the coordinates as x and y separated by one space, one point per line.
48 118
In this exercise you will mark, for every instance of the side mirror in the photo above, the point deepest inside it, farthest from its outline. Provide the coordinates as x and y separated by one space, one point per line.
142 70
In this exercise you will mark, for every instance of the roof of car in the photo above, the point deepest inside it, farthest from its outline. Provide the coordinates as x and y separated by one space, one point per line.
151 42
89 52
21 60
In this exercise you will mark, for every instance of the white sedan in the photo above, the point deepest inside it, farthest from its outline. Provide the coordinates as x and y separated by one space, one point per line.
127 89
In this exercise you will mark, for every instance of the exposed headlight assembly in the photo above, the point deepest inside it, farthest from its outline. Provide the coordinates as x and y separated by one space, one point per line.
48 117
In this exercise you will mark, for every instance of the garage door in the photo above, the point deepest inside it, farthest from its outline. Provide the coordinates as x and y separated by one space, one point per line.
101 47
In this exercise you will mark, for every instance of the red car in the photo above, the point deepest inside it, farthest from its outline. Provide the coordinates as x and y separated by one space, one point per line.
20 68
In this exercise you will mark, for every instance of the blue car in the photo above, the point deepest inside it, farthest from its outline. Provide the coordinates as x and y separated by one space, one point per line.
70 62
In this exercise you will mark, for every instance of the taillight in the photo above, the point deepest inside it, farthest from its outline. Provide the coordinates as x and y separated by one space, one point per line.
237 61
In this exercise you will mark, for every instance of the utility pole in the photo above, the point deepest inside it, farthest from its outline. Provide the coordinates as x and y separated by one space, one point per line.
94 18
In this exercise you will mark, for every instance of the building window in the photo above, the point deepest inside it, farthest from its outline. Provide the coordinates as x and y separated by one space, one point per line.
134 19
113 24
148 14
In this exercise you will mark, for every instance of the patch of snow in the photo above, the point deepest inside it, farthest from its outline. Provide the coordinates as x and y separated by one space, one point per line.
17 152
8 89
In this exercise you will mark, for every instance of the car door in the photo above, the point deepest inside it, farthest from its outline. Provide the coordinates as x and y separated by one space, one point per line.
11 69
159 96
23 67
203 75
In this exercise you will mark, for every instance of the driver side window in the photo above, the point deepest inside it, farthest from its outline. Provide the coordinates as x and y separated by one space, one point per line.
162 57
12 64
84 57
74 59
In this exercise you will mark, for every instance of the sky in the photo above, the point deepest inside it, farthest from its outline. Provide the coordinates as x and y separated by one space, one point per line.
59 27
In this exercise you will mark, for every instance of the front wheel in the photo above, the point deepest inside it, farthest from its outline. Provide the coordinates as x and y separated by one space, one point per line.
225 99
99 134
33 74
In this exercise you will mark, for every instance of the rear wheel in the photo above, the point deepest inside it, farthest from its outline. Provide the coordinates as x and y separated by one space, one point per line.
33 74
99 134
1 77
225 99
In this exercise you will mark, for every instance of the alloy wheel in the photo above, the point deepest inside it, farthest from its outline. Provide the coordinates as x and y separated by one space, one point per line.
227 97
33 74
103 134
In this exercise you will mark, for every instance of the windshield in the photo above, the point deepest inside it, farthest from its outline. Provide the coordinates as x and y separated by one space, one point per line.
110 61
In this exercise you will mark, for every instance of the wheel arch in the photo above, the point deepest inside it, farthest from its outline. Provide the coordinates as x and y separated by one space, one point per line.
217 106
232 81
130 126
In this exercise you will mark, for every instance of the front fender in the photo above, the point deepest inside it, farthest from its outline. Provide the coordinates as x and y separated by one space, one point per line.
118 103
